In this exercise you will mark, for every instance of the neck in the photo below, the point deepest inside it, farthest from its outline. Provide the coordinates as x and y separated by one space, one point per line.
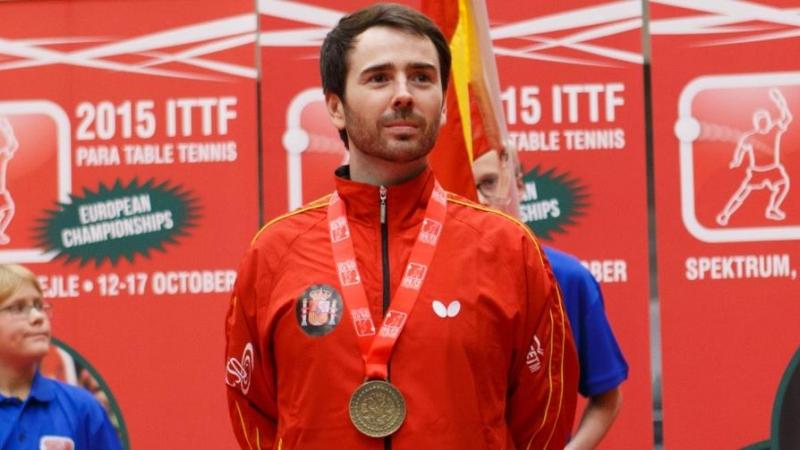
378 172
16 381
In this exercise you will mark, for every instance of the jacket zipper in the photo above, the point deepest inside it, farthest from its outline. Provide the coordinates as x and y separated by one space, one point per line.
387 441
385 251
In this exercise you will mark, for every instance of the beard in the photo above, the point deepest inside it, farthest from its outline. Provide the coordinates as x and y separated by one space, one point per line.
370 140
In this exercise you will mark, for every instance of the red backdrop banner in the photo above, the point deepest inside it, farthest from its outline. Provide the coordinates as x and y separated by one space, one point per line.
572 88
727 145
129 184
570 73
129 174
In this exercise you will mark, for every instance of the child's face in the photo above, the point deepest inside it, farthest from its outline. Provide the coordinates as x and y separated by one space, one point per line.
24 326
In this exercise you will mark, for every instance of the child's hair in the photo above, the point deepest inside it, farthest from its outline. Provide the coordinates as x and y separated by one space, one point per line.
12 276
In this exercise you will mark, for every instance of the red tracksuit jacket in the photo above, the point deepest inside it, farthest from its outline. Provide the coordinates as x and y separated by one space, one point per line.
486 359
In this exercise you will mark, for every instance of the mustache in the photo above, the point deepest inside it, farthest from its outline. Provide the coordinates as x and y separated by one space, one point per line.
403 115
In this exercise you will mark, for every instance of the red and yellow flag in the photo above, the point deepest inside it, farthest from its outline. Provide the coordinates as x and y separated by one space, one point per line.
475 122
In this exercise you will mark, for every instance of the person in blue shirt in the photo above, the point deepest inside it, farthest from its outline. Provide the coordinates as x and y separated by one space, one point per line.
39 413
603 368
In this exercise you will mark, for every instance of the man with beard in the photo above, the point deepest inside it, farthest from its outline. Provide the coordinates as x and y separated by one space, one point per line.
391 314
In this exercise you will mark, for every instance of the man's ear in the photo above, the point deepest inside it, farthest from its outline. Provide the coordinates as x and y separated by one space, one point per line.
335 107
444 115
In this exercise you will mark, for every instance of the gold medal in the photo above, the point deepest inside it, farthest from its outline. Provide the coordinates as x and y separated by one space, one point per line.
377 408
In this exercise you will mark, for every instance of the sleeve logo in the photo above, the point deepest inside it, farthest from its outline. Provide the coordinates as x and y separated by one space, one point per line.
240 372
534 357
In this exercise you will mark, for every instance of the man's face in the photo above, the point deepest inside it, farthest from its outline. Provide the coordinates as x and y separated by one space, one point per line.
495 181
24 338
393 104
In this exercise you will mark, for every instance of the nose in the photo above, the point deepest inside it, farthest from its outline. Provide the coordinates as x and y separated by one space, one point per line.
402 96
37 315
482 199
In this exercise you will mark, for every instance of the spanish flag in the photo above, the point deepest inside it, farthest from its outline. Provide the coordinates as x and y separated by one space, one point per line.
475 121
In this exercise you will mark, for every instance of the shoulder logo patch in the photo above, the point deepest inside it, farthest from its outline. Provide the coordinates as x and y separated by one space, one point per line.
319 309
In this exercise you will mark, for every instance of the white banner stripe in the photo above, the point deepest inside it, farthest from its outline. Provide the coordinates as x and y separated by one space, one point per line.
300 12
200 50
744 11
43 57
216 66
576 42
214 29
610 12
691 24
602 32
620 55
559 59
293 38
63 40
757 38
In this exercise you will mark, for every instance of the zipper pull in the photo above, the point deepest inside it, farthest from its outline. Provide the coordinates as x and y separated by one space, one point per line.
383 194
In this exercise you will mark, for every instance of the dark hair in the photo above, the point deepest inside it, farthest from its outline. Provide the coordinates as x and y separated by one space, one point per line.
333 64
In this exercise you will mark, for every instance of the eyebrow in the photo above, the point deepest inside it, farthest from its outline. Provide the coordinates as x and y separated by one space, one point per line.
423 65
390 65
21 301
377 68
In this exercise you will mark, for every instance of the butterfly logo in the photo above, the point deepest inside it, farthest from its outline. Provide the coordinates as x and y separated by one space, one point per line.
450 310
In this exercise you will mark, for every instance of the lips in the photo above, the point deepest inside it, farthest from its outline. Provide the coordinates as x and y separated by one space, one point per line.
402 129
42 335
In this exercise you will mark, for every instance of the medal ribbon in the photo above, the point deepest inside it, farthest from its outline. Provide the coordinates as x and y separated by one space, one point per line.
377 348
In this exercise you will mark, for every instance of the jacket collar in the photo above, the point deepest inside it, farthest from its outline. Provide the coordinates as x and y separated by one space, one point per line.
405 202
42 389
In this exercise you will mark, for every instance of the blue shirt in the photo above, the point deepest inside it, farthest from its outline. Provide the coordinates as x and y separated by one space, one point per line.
53 416
602 365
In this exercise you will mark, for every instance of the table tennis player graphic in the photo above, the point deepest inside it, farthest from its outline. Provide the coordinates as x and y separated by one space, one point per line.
8 147
739 149
762 147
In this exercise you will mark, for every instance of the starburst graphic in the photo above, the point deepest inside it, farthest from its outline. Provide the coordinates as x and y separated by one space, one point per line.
552 201
118 222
